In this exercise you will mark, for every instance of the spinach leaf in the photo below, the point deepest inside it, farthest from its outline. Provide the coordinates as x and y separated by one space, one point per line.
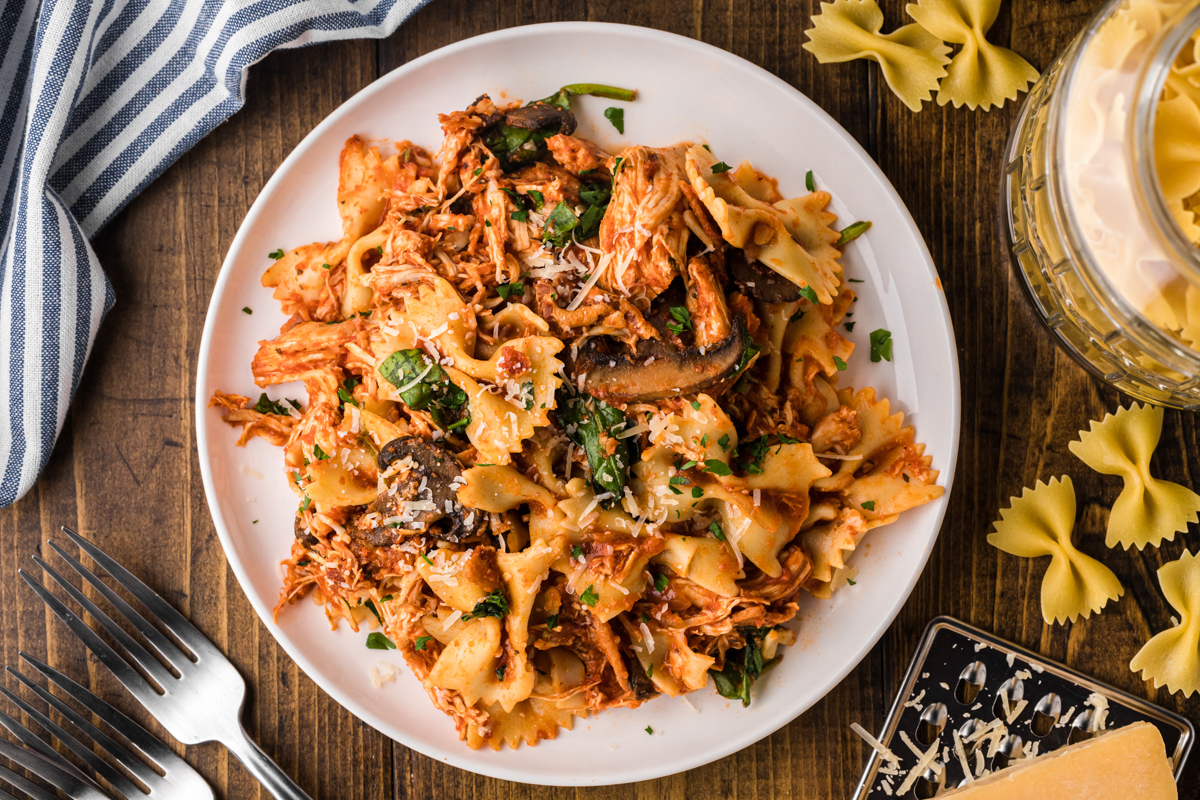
742 668
593 425
562 98
266 405
559 224
432 389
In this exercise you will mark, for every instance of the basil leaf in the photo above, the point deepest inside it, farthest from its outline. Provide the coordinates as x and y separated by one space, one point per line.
589 597
589 223
432 390
742 668
595 194
266 405
809 294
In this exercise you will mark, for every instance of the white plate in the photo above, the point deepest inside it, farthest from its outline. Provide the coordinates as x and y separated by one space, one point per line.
686 90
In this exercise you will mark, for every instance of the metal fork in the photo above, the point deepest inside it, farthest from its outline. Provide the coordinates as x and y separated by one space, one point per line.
201 701
177 778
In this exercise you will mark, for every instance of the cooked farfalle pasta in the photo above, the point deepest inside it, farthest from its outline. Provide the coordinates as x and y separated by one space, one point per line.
574 436
1039 523
912 59
1148 510
981 74
1172 658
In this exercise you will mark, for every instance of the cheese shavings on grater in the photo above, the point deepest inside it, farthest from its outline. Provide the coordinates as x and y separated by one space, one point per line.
973 702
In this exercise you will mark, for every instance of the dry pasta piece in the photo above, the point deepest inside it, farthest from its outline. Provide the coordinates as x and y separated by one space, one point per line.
981 74
912 59
1039 523
1172 658
1177 147
1148 510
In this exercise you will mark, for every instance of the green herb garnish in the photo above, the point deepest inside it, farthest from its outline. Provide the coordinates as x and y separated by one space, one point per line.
682 320
377 641
425 385
839 363
742 668
852 232
593 425
494 605
589 597
421 642
881 345
809 183
720 167
617 117
506 290
277 254
715 529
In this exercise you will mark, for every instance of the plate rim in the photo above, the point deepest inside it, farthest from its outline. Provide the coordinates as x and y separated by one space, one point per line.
458 757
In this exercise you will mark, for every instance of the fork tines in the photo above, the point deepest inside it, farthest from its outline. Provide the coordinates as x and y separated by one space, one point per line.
163 694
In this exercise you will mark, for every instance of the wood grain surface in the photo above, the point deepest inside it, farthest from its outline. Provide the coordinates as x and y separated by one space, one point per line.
125 471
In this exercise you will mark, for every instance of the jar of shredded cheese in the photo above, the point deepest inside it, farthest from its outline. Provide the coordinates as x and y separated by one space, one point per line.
1101 194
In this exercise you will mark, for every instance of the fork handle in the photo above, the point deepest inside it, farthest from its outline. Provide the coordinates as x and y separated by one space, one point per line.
264 770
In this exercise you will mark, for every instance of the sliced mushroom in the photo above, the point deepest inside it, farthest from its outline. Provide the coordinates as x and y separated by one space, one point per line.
419 492
303 535
758 281
539 116
657 369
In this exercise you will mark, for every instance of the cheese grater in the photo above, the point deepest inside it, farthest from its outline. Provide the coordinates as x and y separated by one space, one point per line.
962 680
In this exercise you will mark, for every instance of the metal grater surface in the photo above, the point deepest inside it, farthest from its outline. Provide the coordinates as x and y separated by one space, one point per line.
955 661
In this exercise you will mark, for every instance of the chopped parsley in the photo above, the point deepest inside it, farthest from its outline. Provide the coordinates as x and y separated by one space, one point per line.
720 167
345 393
881 345
724 442
697 492
617 117
520 215
494 605
650 671
370 604
506 290
319 453
852 583
660 581
809 183
421 642
849 327
717 467
538 199
649 730
276 254
307 502
577 552
852 232
715 529
326 266
809 294
589 596
839 363
696 405
552 622
682 320
500 672
377 641
869 505
246 310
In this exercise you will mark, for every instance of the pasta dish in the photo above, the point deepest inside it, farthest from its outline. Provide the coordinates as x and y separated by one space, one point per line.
574 435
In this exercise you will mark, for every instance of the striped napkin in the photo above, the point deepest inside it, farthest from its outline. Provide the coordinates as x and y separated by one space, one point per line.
103 95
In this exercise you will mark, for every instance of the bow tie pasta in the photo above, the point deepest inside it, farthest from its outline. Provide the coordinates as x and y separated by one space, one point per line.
574 436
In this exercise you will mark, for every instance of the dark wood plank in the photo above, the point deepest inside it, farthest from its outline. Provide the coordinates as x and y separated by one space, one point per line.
126 473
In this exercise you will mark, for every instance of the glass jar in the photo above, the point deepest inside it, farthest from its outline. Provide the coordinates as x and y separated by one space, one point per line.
1090 232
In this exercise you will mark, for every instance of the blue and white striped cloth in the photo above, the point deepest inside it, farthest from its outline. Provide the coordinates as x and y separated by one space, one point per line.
103 95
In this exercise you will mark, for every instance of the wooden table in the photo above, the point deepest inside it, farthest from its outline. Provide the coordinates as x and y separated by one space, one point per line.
125 470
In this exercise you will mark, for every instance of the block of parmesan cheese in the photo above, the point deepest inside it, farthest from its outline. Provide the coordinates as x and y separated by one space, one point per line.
1125 763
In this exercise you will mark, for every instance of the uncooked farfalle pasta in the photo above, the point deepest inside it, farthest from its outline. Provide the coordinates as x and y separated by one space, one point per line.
574 435
1039 523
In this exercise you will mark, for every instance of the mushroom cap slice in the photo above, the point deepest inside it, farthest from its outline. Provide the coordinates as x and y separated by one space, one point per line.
657 370
758 281
416 461
538 116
